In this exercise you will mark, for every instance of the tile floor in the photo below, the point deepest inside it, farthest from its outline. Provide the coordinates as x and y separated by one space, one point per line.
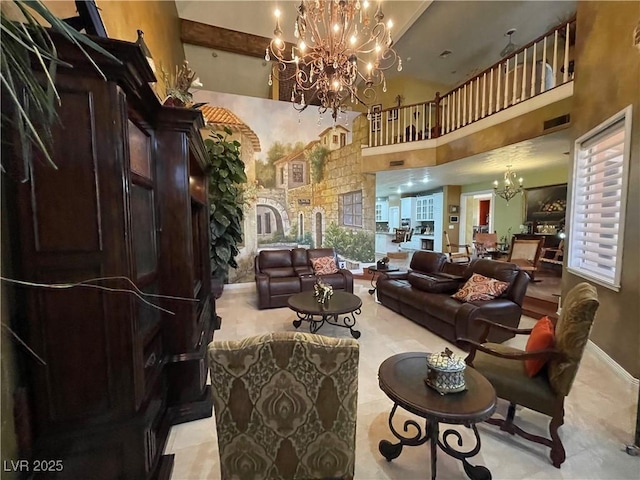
599 420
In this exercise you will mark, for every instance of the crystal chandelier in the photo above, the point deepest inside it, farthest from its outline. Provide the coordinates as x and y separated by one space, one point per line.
338 47
510 189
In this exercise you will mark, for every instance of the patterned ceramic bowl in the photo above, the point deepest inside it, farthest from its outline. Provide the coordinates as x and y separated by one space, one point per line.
445 372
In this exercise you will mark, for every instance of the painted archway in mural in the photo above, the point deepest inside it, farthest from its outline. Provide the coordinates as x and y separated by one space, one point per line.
318 225
272 217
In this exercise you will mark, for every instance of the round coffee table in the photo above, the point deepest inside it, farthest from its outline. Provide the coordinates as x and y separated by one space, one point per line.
307 308
402 376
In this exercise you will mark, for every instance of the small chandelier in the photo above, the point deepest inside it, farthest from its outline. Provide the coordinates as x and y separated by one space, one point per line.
510 189
338 46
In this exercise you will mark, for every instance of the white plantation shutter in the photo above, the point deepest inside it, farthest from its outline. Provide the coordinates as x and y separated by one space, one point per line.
598 201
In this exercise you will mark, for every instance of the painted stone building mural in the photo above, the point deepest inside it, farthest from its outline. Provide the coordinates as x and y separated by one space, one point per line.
309 187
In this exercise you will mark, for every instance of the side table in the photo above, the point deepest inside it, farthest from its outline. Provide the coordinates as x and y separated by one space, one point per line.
401 378
374 270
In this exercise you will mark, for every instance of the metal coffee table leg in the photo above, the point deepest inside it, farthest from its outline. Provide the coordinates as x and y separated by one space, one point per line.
431 433
474 472
393 450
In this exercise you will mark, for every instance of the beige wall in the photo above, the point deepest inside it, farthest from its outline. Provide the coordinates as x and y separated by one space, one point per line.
156 18
607 80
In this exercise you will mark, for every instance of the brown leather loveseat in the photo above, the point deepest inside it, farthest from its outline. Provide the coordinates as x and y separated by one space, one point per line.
423 294
282 273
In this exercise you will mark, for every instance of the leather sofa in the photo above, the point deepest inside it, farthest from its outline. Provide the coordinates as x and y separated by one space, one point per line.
407 293
282 273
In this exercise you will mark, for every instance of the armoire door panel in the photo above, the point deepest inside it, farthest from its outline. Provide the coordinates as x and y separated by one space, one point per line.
77 350
139 150
65 202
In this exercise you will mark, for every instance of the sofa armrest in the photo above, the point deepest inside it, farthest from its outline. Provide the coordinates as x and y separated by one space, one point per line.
499 310
262 286
348 279
392 275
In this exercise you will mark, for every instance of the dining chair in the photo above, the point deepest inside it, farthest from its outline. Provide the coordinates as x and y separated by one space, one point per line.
526 254
453 252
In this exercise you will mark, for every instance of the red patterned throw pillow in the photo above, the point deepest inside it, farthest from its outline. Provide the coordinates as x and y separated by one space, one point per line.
324 265
479 287
542 337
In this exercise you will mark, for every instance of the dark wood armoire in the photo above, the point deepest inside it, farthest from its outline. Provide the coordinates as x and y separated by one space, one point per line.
127 205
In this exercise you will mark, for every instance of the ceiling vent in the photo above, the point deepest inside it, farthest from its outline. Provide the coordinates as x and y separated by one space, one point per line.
556 122
396 163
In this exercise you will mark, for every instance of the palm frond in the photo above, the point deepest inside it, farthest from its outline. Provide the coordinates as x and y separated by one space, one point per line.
34 102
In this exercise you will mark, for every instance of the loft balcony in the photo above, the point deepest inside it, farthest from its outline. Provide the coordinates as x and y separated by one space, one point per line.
532 83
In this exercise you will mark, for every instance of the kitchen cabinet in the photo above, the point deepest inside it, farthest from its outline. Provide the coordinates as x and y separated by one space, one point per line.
421 208
381 243
425 208
382 211
408 208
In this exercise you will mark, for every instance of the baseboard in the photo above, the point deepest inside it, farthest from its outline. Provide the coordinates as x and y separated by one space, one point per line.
240 287
615 366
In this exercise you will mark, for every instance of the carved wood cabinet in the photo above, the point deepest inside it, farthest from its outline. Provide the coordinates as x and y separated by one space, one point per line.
127 204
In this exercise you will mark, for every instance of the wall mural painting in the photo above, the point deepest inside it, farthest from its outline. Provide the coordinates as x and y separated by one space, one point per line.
304 182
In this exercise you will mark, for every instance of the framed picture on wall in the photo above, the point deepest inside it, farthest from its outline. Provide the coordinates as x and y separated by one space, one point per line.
546 204
454 209
453 218
376 117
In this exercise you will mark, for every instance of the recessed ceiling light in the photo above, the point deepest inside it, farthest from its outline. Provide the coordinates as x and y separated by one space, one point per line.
445 53
399 190
425 180
409 183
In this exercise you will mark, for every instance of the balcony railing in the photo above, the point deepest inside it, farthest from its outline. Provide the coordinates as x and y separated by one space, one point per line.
539 66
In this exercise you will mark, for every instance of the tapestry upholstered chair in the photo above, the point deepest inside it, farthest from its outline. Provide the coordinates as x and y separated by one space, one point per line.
285 406
506 367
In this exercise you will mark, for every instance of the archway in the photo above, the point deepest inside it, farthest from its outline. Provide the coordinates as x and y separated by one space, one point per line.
317 220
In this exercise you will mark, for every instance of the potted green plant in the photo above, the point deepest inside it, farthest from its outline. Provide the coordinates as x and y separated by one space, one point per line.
226 201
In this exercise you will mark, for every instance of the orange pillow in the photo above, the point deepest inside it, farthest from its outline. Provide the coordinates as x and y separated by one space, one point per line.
542 337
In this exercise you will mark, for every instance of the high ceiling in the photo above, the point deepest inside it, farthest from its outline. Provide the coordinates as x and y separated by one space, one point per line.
473 31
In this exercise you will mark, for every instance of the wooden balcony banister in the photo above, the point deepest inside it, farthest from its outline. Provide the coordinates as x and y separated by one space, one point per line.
512 55
513 79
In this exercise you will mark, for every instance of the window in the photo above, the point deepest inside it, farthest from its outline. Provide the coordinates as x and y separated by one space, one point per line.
598 201
297 170
300 225
335 139
259 224
281 175
267 223
351 209
343 139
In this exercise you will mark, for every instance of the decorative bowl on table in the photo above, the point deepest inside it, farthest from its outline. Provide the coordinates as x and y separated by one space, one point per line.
445 372
383 263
